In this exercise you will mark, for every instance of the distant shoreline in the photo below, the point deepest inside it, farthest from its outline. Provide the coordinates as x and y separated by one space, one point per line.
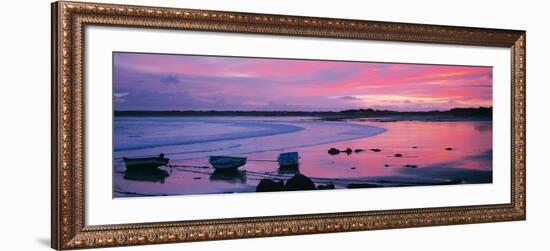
455 114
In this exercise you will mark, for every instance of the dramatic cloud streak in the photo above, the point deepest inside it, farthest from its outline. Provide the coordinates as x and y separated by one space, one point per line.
180 82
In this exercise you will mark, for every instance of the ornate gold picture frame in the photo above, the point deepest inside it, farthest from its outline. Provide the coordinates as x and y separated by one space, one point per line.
69 229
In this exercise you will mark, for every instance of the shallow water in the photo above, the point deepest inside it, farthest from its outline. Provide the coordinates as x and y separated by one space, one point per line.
189 141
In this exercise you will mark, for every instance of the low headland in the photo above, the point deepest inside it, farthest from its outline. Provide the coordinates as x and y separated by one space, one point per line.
454 114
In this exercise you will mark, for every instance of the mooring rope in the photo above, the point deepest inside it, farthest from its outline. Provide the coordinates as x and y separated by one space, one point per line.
269 175
203 167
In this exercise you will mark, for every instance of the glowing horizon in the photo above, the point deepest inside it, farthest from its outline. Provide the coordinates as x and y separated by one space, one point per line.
189 82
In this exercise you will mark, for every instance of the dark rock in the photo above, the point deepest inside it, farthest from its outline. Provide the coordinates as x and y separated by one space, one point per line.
333 151
375 150
386 165
197 178
325 187
353 168
398 155
269 185
299 182
358 150
415 147
348 151
411 166
362 185
448 148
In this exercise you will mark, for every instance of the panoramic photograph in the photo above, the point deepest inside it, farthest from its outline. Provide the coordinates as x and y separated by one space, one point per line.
197 124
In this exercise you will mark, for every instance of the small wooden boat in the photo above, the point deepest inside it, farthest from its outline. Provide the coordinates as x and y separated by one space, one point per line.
226 162
145 163
288 160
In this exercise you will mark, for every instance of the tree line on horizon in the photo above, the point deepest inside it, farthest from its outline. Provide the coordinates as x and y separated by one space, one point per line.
469 112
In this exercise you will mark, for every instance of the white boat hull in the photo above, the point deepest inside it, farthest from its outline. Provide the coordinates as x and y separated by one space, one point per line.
226 162
145 163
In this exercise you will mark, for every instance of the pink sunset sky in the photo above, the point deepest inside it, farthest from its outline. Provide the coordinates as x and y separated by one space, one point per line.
187 82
